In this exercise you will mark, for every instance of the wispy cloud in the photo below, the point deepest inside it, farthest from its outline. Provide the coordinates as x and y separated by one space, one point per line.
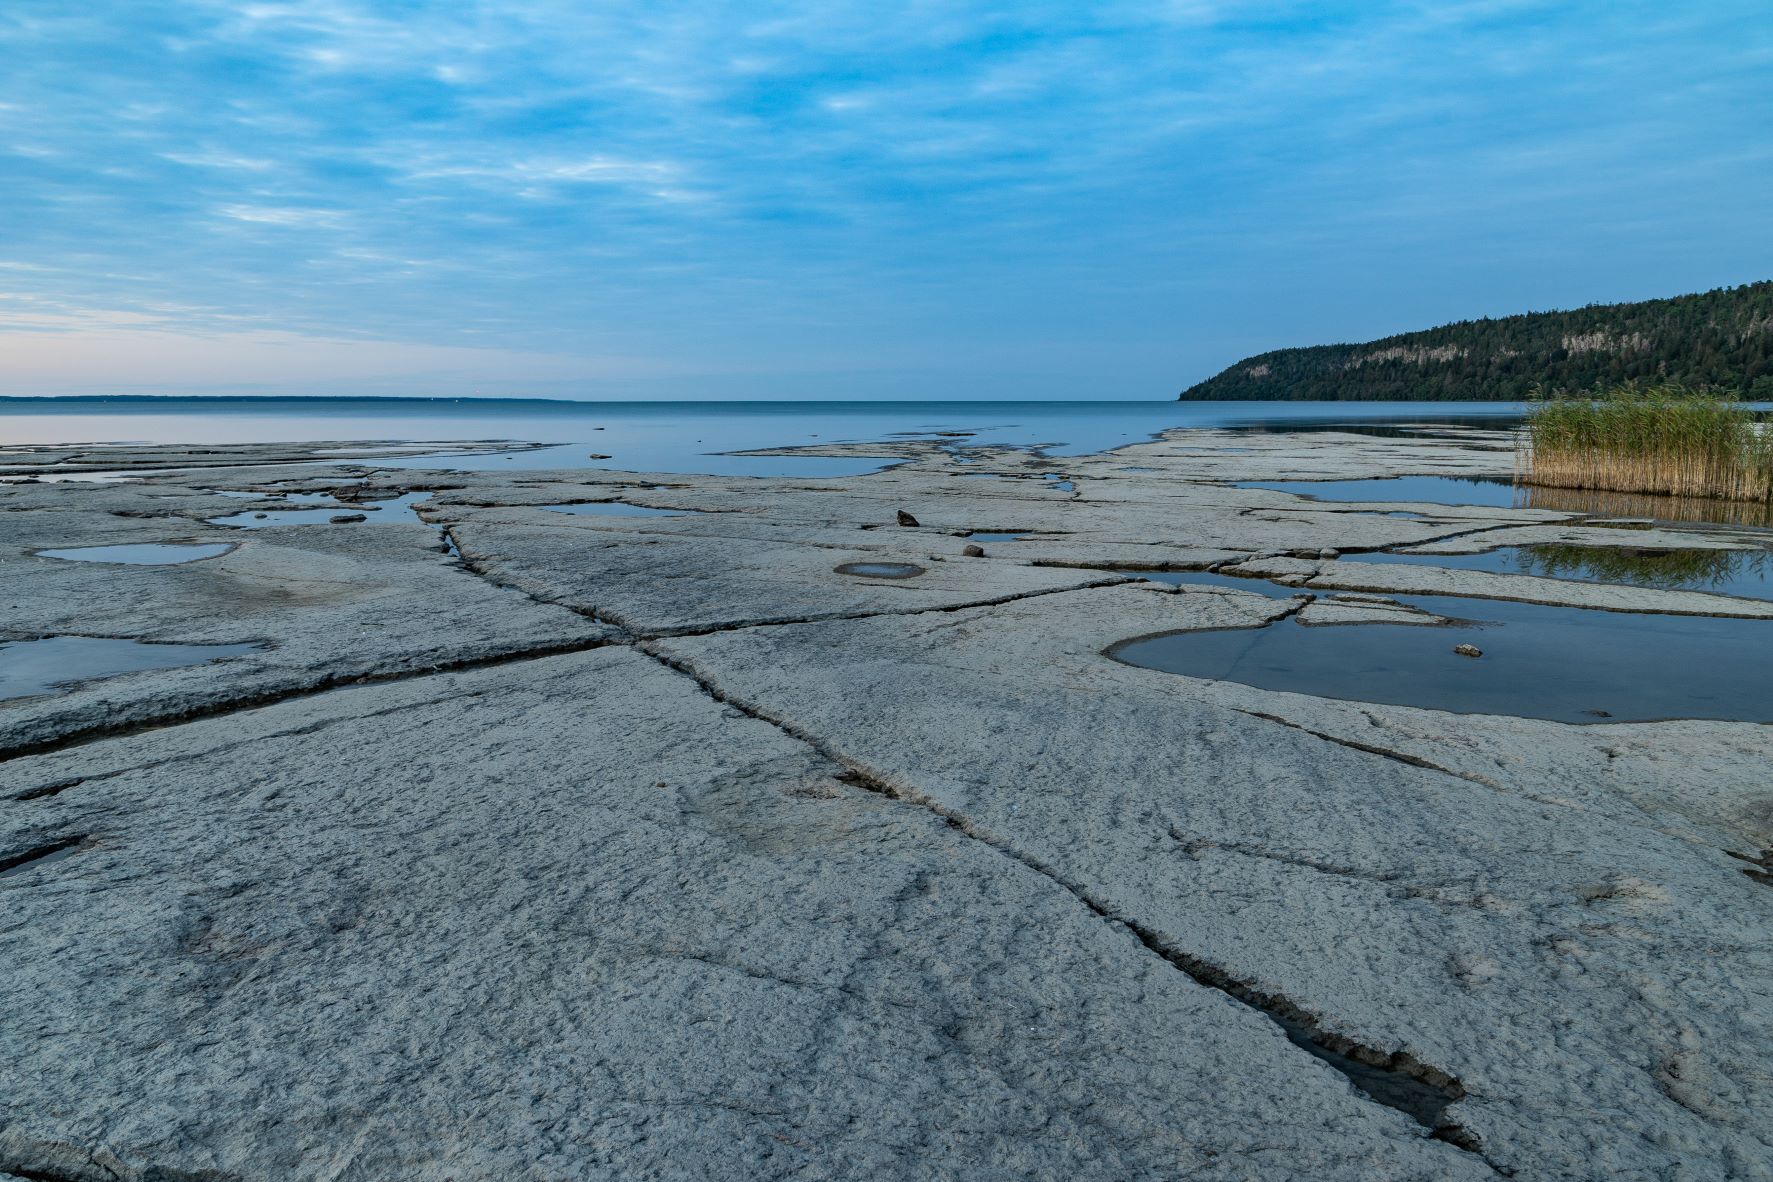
1161 184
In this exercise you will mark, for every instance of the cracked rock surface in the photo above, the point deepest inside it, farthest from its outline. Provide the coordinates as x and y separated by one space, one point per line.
535 845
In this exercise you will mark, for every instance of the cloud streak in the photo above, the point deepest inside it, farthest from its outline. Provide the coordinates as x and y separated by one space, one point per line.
943 187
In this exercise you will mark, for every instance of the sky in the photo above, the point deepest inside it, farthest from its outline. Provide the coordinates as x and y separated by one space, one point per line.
843 200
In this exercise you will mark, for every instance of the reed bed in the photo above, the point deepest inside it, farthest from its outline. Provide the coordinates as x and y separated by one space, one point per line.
1666 440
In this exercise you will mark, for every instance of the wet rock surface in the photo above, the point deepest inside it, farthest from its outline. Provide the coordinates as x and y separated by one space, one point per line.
534 845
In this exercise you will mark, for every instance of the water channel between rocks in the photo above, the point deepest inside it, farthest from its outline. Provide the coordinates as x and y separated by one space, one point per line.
1500 492
1744 573
612 509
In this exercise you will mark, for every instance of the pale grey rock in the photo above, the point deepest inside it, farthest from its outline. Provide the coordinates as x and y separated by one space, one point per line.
1409 908
972 903
1340 610
572 918
327 605
653 582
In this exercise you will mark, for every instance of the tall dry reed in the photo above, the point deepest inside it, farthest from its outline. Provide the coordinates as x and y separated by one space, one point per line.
1648 439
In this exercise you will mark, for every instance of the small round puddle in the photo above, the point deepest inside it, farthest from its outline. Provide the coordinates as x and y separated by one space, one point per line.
142 553
880 570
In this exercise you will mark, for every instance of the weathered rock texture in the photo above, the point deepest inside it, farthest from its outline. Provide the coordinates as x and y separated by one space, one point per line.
531 845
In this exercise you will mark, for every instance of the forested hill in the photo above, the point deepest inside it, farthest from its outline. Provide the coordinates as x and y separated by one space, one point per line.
1720 339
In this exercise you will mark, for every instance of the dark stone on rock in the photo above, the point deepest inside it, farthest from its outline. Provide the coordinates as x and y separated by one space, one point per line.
973 551
347 518
906 519
1468 650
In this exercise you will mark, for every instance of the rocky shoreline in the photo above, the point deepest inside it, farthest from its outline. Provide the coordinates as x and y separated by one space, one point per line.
533 844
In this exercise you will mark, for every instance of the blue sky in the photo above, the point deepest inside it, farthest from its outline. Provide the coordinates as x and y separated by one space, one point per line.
842 200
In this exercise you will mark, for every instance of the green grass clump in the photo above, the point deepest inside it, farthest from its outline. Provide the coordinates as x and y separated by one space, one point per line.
1668 440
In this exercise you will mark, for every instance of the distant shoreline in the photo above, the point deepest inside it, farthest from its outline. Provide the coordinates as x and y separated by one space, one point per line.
309 399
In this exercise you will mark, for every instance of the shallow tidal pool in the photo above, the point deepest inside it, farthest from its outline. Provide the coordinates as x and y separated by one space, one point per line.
612 509
1497 492
393 510
1747 574
1487 491
142 553
1560 663
30 667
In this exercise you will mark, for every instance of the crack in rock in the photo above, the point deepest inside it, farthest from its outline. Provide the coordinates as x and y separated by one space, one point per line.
1370 749
13 863
326 684
1395 1079
1760 869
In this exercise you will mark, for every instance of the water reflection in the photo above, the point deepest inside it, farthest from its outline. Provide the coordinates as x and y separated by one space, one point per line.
1745 573
29 667
141 553
1658 508
1491 491
880 570
612 509
1503 493
1560 663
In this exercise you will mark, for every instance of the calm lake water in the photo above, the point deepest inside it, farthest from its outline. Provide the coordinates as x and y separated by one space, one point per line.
679 436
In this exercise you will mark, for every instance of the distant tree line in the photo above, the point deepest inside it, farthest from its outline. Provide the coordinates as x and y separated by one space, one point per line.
1718 340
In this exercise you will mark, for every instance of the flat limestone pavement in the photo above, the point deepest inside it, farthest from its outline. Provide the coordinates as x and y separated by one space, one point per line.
542 846
574 918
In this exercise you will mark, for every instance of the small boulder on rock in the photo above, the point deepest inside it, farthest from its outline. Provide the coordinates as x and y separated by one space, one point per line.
906 519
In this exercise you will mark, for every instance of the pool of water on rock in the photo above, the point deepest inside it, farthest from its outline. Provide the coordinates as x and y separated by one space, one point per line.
142 553
1564 664
1500 492
29 667
1489 491
385 512
1206 578
1744 573
880 570
612 509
